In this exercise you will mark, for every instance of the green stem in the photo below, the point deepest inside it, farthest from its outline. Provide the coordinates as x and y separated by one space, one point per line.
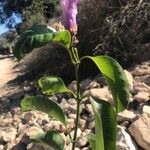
78 106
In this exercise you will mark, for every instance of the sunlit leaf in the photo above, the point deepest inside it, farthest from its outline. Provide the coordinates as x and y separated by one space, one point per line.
99 139
52 139
63 38
45 105
52 85
116 79
105 125
38 36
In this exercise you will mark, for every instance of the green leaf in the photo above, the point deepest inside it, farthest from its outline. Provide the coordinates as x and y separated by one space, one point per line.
99 139
52 139
52 85
105 125
116 79
91 138
63 38
45 105
38 36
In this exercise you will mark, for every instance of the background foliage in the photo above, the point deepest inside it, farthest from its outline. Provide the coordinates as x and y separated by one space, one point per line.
126 29
30 11
118 28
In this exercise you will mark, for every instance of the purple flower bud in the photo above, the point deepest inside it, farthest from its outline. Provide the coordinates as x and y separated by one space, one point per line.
69 8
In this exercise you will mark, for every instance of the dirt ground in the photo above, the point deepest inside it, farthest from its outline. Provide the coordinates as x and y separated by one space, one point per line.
9 71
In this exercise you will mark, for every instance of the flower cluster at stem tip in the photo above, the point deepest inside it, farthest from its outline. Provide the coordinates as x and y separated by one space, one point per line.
69 8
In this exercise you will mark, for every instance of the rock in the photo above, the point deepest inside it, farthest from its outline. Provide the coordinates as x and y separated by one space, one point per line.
84 85
88 118
131 99
70 120
101 80
140 130
143 79
20 146
82 142
56 125
82 123
72 116
70 124
30 133
47 127
88 84
89 109
22 130
6 122
142 69
16 111
33 123
78 133
7 134
72 101
124 140
10 146
8 115
99 93
146 109
94 84
85 148
39 122
36 146
28 116
64 104
125 116
72 86
72 109
72 106
87 131
91 125
69 146
1 116
141 87
1 147
68 141
142 97
16 121
35 115
125 124
130 79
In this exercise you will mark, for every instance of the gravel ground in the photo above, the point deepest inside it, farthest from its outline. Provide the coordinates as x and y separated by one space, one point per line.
16 127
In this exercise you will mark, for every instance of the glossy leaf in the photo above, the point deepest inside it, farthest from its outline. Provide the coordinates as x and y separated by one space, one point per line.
52 85
45 105
116 79
99 139
37 36
52 139
105 125
63 38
